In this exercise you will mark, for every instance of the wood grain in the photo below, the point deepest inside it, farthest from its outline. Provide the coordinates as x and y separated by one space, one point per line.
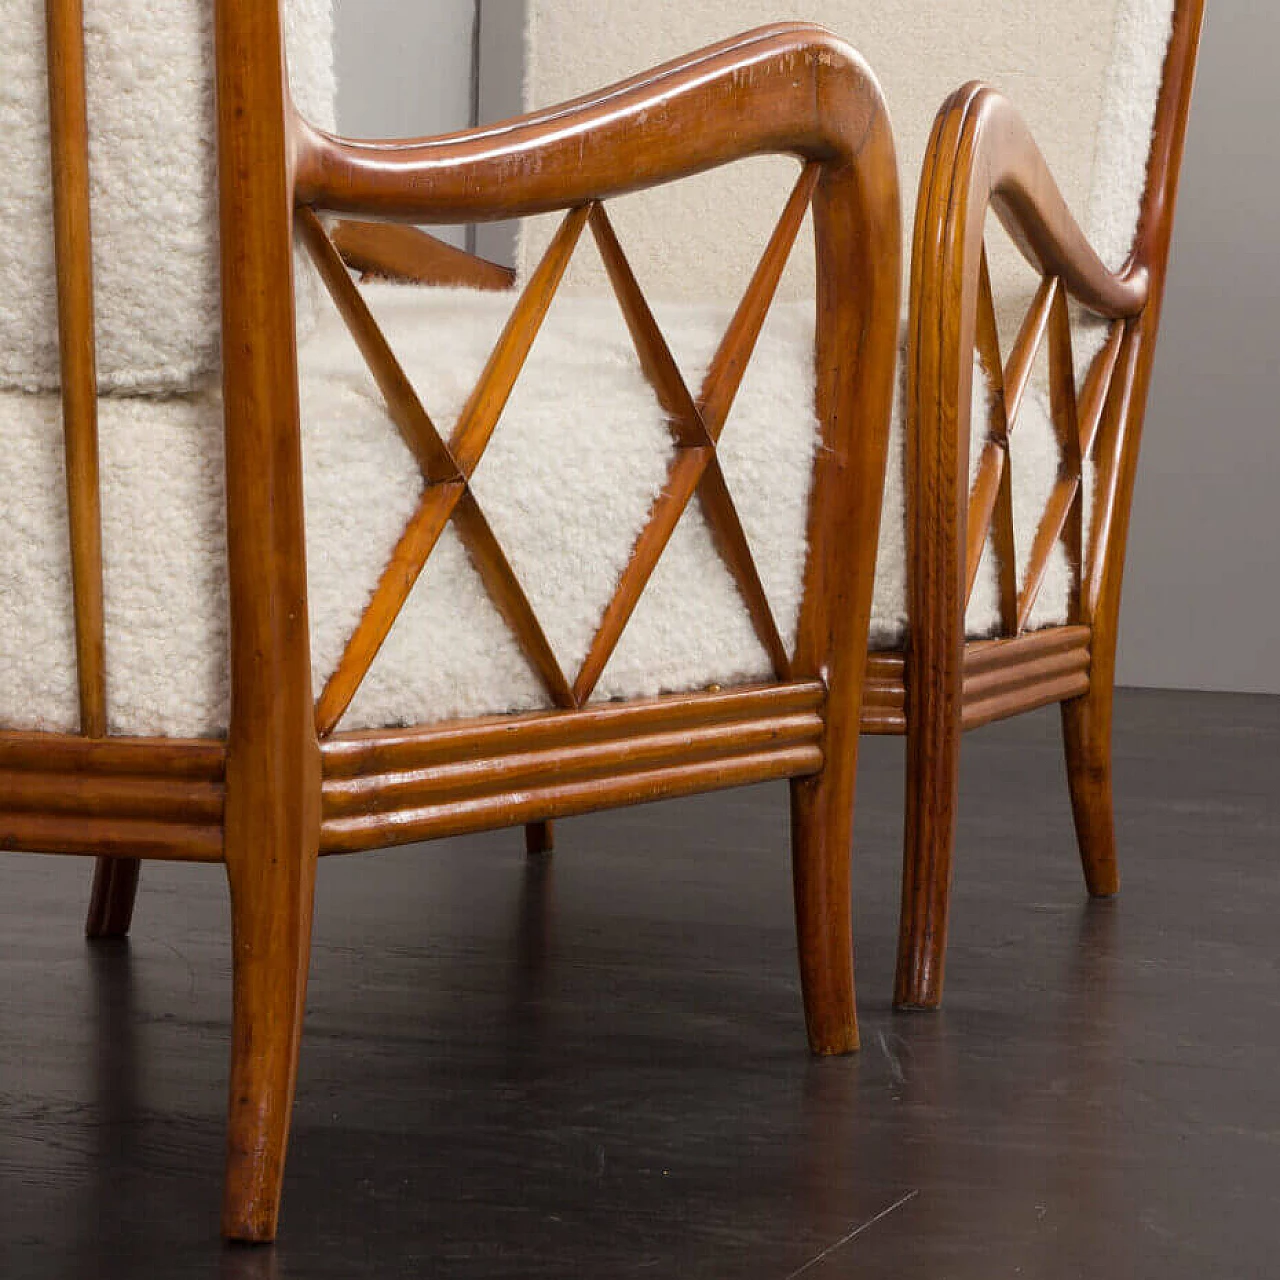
859 246
73 248
386 251
1086 721
115 883
754 94
272 819
981 156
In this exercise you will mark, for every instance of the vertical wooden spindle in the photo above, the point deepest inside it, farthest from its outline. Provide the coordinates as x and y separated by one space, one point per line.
73 245
115 881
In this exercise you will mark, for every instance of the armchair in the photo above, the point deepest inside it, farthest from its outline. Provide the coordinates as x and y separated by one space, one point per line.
327 587
1002 550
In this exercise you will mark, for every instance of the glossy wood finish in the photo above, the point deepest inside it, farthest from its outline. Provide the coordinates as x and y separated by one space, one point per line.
272 817
808 95
1086 722
115 883
287 784
680 119
859 259
389 788
108 796
1001 678
380 250
982 157
587 1066
73 247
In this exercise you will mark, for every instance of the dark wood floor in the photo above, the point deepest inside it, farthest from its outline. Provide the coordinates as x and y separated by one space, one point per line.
596 1067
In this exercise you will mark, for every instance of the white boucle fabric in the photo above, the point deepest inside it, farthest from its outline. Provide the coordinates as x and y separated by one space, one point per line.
574 467
149 72
1086 76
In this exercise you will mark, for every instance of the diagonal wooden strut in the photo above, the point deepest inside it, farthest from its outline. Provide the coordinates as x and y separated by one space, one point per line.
682 480
504 589
1108 451
1079 420
697 429
1063 515
447 469
720 387
403 570
406 409
991 499
1022 359
690 430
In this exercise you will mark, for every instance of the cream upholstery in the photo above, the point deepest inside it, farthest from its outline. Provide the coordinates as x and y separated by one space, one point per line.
1086 76
581 452
151 122
1068 67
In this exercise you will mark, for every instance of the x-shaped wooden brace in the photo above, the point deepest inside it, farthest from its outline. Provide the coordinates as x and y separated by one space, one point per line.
447 468
696 426
1077 421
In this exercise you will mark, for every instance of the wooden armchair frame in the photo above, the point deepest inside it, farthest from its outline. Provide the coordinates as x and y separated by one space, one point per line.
286 785
982 157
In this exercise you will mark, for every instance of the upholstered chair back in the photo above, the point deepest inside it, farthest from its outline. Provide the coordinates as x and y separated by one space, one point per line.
154 203
1086 75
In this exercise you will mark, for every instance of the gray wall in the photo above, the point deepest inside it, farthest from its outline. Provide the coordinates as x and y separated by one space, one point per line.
1202 596
405 67
1202 604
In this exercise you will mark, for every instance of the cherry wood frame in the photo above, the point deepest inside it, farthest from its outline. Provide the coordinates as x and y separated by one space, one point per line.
981 157
288 784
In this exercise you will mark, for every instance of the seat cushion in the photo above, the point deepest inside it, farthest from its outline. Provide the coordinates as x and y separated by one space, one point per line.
150 82
575 464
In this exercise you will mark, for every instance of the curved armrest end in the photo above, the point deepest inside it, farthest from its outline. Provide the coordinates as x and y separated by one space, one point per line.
983 155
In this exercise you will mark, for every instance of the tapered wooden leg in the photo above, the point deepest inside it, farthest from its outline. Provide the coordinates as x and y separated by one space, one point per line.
115 888
926 871
934 675
539 838
857 254
821 854
271 817
271 910
1086 734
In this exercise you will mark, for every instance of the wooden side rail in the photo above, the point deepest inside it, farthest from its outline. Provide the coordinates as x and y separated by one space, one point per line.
790 89
390 787
982 156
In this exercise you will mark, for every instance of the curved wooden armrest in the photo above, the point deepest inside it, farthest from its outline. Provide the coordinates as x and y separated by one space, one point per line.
792 88
982 155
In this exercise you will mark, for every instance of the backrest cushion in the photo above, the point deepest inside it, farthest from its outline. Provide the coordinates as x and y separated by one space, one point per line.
1086 75
150 74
